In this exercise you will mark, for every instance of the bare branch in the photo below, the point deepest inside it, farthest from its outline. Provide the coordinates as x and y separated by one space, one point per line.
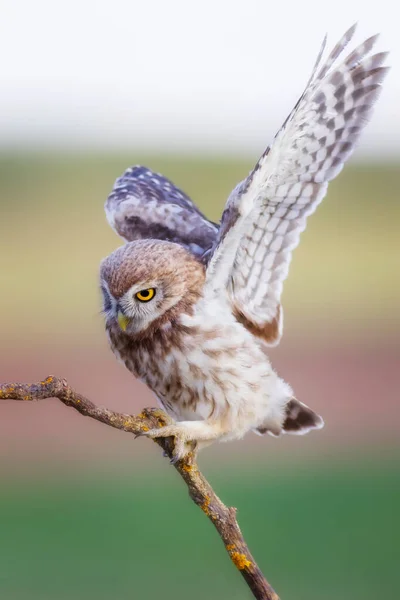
201 492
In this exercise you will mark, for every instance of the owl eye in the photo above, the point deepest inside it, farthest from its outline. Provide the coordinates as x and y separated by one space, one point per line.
146 295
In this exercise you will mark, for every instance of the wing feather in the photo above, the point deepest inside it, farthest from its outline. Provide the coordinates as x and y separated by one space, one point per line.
144 204
267 212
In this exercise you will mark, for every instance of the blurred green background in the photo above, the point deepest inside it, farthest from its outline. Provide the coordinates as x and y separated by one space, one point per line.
86 512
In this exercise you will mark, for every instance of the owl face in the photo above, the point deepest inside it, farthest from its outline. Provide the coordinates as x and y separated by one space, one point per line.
142 304
145 281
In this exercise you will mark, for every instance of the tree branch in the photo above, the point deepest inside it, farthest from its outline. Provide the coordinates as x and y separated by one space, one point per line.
201 492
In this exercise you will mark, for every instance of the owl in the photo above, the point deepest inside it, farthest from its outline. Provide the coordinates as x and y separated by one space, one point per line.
191 307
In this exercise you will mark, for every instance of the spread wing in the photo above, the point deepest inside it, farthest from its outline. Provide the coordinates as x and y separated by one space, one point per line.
266 213
144 204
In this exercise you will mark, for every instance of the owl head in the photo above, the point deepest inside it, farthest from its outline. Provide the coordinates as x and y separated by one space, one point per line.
148 282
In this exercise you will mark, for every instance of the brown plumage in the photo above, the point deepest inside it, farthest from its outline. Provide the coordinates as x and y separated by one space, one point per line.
268 332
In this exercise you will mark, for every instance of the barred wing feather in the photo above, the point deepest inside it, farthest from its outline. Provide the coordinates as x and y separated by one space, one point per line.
266 213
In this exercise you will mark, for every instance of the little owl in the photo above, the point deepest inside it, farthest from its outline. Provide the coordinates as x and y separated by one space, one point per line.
191 307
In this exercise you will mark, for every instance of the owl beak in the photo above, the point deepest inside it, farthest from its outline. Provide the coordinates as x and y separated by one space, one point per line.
123 321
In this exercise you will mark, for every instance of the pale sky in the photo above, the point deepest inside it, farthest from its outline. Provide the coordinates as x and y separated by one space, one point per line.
214 76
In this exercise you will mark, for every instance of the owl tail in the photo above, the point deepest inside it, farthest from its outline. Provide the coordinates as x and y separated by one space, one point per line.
299 419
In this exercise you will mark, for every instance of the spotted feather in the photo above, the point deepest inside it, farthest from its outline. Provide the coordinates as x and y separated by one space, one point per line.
144 205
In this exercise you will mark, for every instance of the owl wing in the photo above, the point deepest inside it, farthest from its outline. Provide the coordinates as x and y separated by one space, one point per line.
144 204
266 213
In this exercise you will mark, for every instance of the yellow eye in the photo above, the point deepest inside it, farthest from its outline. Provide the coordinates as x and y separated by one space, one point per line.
146 295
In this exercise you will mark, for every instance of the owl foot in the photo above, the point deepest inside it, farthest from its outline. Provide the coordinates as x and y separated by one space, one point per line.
188 435
167 431
182 445
180 451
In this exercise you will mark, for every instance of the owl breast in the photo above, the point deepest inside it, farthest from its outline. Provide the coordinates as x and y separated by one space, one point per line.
200 368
